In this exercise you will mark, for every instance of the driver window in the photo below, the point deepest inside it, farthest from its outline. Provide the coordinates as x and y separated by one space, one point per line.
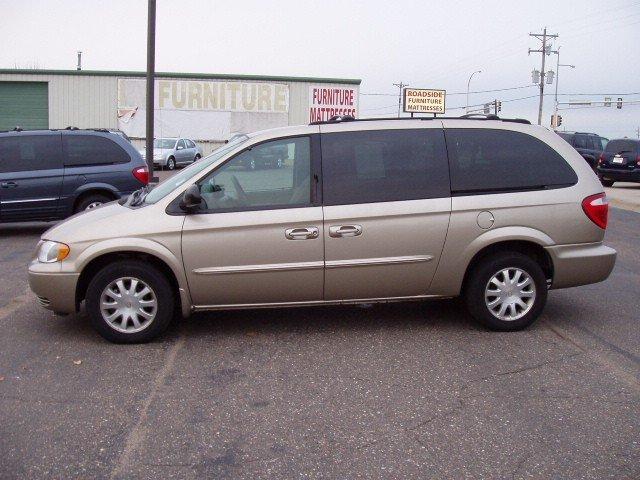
180 144
271 174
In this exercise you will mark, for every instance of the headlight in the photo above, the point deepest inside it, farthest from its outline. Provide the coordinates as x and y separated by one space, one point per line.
50 252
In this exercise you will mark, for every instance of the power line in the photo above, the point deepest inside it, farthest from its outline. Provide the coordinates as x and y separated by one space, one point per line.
458 93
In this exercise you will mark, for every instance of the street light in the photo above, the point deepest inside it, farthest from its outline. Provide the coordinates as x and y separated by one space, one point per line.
466 109
558 65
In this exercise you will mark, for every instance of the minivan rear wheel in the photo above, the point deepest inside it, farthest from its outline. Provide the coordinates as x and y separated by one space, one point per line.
130 302
506 292
91 201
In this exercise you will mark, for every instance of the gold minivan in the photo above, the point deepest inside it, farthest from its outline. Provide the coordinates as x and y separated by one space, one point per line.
355 211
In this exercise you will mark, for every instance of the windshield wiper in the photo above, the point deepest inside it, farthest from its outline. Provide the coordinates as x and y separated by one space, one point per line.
137 197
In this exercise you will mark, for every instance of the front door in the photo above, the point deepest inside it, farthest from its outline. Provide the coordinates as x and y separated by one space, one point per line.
258 238
387 206
31 174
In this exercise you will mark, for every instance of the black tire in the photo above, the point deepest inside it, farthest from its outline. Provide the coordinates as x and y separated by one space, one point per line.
91 200
606 182
171 163
479 278
150 275
198 157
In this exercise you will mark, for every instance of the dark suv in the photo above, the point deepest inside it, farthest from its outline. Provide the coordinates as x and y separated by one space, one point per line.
51 174
620 162
589 145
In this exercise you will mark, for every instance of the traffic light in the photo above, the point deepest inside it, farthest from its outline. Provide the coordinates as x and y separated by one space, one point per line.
619 104
556 121
498 105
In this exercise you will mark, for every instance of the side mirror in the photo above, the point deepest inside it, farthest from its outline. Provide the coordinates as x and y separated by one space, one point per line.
191 198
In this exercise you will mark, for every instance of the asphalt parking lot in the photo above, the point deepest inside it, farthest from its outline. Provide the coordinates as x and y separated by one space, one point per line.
393 391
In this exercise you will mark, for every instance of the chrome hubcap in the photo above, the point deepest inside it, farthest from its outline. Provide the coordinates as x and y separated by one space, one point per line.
128 305
93 205
510 294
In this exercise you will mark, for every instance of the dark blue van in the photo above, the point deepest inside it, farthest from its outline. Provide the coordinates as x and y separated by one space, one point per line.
52 174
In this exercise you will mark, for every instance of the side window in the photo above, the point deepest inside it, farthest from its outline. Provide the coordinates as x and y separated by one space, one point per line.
30 152
190 144
486 161
92 150
580 141
180 145
597 144
384 166
273 174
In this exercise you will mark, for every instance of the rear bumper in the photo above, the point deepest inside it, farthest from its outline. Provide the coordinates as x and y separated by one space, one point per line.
620 175
55 290
581 264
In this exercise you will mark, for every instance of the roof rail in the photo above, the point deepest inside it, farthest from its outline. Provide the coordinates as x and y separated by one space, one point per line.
470 116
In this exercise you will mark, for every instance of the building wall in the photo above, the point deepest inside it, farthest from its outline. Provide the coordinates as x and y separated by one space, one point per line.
77 101
91 101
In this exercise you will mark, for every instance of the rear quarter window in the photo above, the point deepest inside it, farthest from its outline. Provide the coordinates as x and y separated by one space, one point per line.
493 161
92 150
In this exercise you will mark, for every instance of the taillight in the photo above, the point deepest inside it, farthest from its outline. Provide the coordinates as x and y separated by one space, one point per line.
597 209
601 159
638 160
142 174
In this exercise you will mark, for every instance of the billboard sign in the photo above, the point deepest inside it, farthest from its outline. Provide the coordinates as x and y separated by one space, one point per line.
327 101
202 109
422 100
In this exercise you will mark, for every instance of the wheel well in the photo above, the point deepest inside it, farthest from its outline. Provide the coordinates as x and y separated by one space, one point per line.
95 265
530 249
94 191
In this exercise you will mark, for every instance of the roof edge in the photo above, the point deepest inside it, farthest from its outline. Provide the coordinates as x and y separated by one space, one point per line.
212 76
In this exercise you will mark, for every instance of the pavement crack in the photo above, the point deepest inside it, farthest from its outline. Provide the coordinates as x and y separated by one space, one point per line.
137 433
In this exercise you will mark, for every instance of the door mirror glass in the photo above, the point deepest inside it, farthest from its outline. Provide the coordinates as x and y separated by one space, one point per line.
191 199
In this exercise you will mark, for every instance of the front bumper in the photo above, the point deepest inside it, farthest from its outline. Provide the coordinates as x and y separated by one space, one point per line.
581 264
55 290
619 175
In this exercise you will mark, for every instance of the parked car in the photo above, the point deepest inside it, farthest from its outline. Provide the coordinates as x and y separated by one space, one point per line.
620 162
171 152
497 211
589 145
51 174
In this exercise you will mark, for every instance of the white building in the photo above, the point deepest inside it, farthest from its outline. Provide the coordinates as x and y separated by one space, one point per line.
207 108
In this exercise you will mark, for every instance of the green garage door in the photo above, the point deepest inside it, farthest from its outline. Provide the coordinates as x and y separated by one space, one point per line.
25 104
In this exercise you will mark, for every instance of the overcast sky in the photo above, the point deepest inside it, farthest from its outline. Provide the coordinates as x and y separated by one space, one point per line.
430 44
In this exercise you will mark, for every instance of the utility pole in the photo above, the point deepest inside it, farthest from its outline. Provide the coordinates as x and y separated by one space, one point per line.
545 50
638 132
400 87
151 66
558 65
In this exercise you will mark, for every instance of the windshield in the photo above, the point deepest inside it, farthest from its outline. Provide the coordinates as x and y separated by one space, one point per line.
165 143
617 146
169 185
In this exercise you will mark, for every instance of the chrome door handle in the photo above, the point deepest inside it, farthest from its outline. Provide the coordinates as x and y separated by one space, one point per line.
345 231
8 184
304 233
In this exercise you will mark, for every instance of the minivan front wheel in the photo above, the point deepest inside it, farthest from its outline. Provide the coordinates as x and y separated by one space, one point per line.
506 292
130 302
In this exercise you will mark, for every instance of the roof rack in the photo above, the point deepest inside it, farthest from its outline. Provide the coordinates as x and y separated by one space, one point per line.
470 116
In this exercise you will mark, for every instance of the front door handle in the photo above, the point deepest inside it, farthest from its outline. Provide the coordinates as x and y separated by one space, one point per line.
8 184
345 231
304 233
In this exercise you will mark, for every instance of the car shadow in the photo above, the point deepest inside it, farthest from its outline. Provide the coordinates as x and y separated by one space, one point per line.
447 314
25 229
